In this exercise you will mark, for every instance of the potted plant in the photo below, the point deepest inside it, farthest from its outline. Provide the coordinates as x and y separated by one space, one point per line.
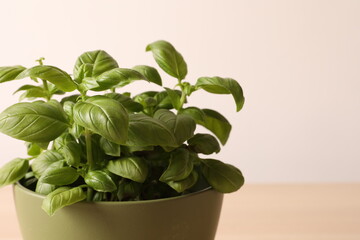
131 162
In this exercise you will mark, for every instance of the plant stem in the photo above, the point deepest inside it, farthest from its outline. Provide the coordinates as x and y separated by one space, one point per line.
183 94
89 195
89 155
182 99
46 87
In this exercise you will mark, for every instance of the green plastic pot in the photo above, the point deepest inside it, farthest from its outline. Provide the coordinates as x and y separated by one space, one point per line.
190 217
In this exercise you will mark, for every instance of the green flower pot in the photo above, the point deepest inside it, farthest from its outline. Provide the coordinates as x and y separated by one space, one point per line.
190 217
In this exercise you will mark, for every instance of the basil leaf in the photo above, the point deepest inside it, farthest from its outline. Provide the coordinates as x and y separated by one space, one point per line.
222 177
110 148
204 143
72 98
180 166
220 85
63 140
87 83
54 90
133 168
150 73
164 101
148 131
100 181
96 62
182 126
10 73
72 153
13 171
33 122
32 91
60 176
128 190
58 77
68 109
84 71
126 101
174 98
33 149
196 113
76 130
168 59
217 124
117 77
182 185
44 160
44 188
104 116
62 197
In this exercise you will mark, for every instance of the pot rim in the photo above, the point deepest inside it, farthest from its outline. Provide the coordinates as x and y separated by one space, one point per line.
37 195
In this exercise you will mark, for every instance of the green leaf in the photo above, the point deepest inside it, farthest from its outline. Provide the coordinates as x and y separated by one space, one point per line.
72 98
217 124
63 140
10 73
174 98
168 59
100 181
164 101
117 77
54 90
60 176
196 113
68 108
44 188
84 71
58 77
182 185
96 62
204 143
44 160
126 101
87 83
180 166
128 190
31 91
148 131
220 85
33 122
222 177
76 130
150 73
72 153
133 168
104 116
110 148
13 171
62 197
43 145
33 149
182 126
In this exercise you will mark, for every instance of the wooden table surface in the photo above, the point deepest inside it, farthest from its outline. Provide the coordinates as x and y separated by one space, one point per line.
264 212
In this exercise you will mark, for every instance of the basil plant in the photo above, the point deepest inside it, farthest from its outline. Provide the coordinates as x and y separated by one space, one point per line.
111 145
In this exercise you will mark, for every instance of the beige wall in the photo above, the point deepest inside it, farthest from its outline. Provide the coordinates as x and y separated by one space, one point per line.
298 62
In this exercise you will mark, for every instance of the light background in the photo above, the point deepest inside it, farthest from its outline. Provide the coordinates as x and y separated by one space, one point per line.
297 61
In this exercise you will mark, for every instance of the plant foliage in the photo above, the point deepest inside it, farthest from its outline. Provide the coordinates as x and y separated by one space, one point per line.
112 146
